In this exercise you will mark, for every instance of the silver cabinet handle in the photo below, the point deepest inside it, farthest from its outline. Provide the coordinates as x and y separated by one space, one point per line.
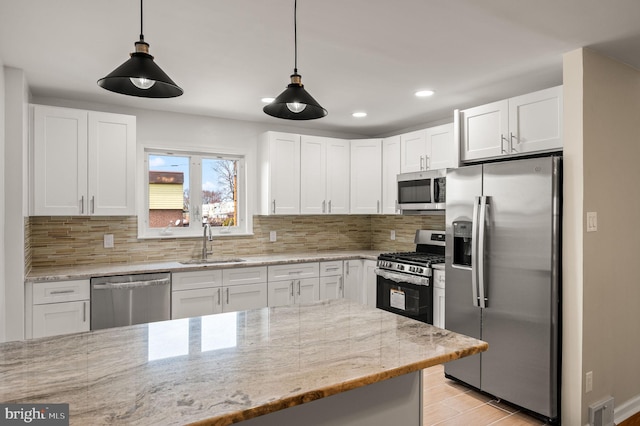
427 162
298 287
341 286
84 312
332 269
511 138
62 291
421 162
274 206
227 295
378 206
324 202
329 206
93 204
82 205
219 296
291 287
502 141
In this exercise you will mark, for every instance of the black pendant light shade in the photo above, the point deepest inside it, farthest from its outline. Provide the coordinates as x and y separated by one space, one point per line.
140 75
295 103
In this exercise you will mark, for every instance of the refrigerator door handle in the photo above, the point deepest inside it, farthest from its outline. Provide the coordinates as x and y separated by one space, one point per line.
482 287
474 253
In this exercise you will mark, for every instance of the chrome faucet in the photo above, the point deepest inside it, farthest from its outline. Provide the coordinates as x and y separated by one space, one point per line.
205 252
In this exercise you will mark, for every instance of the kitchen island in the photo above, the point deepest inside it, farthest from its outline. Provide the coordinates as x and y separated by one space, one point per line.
341 360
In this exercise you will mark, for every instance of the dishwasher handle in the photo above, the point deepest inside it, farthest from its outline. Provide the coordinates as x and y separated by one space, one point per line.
133 284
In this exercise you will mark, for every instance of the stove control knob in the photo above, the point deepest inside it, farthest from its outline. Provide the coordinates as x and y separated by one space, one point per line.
401 267
420 270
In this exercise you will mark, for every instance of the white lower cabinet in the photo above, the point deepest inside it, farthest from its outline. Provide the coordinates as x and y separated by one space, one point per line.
293 283
208 292
438 298
360 281
58 308
331 280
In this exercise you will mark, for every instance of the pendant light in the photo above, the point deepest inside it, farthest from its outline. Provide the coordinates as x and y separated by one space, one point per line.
295 103
140 76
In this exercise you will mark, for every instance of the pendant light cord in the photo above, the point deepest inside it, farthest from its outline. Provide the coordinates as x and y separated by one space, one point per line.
141 32
295 35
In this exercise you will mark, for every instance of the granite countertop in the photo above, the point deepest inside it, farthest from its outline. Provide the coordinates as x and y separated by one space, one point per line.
89 271
221 369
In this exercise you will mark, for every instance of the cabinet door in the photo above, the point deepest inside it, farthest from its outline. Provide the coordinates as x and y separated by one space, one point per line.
60 318
195 303
59 161
390 170
440 147
535 121
307 290
366 176
438 307
280 293
338 155
313 175
369 282
413 149
283 174
244 297
332 287
484 131
112 164
353 288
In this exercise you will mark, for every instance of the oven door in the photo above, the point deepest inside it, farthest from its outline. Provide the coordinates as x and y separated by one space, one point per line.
404 298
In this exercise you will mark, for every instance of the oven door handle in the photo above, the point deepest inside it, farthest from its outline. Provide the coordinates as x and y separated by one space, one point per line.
403 278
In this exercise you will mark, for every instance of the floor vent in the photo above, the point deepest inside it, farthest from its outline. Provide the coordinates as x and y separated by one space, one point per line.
601 413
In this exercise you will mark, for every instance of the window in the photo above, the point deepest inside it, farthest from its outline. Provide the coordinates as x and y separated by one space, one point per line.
184 191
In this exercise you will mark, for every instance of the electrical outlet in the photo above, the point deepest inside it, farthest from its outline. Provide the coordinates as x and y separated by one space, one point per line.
108 240
592 221
272 236
588 382
393 235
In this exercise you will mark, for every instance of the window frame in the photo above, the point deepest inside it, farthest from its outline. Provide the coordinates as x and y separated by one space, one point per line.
245 222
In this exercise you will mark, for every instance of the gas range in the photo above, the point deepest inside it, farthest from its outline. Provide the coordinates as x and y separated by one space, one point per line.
430 247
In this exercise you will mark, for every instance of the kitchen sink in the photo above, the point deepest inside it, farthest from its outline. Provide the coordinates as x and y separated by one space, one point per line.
212 261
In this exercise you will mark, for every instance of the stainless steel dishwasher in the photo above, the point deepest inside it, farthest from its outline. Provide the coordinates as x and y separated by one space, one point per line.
130 299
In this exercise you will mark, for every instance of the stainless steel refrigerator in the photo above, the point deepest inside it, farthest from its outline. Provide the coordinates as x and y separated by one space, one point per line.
503 278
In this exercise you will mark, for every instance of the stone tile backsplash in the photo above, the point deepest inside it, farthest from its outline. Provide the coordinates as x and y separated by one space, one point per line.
68 241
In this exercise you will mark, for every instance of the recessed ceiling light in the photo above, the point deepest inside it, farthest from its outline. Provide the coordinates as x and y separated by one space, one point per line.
267 100
359 114
424 93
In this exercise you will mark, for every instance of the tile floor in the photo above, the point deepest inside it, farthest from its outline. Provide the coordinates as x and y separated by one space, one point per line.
447 403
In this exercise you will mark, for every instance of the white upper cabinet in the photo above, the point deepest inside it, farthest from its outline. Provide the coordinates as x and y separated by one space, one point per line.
428 149
83 162
390 171
366 176
520 125
279 158
441 148
324 175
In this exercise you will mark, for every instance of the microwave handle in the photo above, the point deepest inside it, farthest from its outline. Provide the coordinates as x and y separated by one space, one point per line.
433 190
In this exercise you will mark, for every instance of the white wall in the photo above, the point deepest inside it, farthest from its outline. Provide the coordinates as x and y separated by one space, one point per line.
3 315
602 290
16 143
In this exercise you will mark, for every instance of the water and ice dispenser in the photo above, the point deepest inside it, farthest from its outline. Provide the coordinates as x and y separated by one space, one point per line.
462 242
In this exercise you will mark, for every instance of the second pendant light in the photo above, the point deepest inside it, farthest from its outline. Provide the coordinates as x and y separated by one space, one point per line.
295 103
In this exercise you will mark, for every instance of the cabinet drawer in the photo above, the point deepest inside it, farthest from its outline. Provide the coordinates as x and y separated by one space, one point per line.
294 271
196 279
60 291
237 276
196 303
328 269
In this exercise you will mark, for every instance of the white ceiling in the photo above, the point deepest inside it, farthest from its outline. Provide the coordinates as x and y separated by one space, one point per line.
369 55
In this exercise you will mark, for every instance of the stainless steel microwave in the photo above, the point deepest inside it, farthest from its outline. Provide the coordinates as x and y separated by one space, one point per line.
418 191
